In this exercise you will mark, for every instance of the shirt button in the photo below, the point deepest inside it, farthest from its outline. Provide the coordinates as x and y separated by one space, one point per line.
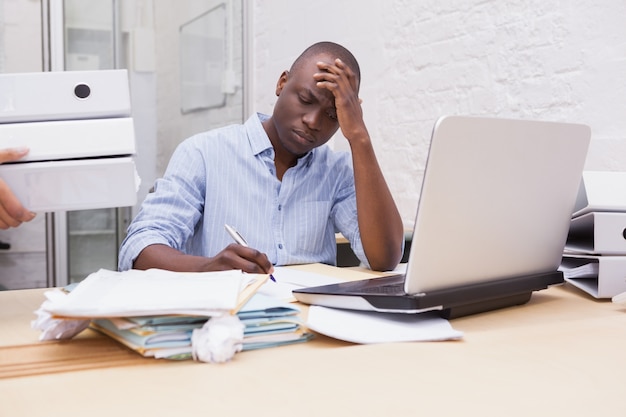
280 246
280 207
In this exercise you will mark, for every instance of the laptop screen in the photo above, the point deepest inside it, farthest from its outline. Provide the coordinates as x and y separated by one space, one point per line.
496 200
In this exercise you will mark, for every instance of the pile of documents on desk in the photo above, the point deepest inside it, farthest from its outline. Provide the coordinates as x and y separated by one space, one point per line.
594 259
267 322
159 313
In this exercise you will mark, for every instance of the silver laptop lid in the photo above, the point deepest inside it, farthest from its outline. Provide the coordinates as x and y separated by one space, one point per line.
496 200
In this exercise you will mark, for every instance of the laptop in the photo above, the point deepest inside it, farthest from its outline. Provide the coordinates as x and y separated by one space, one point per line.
492 220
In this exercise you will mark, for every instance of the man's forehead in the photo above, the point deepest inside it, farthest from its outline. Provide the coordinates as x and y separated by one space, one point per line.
322 57
324 96
309 63
303 76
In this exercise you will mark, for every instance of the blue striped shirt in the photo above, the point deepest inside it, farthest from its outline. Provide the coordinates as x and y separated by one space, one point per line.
228 176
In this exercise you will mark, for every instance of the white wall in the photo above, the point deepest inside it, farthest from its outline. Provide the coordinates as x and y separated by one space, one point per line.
562 61
20 36
172 126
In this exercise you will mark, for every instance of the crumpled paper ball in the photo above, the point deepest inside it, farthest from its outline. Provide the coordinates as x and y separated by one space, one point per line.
56 329
218 340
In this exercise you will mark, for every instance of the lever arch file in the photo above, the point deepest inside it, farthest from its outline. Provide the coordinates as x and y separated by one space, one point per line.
64 95
594 257
71 139
601 191
80 133
74 184
600 276
598 233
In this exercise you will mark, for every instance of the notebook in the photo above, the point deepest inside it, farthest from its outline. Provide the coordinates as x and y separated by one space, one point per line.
492 220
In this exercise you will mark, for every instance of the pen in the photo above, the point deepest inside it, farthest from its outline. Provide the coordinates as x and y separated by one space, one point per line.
241 241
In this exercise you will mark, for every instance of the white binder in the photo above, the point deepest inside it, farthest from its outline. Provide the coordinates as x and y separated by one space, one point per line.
600 276
64 95
73 184
598 233
78 127
69 139
601 191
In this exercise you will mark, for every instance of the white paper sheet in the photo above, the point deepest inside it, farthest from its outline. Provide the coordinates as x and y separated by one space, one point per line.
153 292
372 327
288 280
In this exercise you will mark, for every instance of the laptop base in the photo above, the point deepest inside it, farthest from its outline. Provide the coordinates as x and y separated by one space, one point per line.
450 302
484 306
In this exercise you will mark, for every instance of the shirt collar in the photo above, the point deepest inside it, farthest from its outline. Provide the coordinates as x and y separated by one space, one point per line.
260 142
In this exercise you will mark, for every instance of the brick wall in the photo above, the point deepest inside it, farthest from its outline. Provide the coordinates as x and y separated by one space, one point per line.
562 61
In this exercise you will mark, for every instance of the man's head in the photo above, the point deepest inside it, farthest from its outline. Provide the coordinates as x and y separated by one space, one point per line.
332 49
305 116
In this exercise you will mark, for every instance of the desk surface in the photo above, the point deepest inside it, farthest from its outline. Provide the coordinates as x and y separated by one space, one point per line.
563 353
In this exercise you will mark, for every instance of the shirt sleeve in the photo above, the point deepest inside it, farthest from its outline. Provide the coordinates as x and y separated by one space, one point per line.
169 215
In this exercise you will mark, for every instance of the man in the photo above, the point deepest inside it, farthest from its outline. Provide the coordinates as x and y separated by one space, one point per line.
12 213
274 181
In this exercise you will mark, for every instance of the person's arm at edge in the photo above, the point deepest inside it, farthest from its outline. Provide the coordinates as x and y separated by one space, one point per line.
380 224
12 213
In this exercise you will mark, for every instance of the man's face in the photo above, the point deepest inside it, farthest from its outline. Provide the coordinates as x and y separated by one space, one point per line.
304 114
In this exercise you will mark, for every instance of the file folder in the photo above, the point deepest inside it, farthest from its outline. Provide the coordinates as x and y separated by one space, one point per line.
73 184
601 191
268 323
64 95
70 139
599 276
602 233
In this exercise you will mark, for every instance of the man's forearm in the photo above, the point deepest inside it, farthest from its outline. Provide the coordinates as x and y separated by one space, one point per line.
380 223
165 257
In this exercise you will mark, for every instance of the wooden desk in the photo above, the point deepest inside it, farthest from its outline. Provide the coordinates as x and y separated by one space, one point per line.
562 354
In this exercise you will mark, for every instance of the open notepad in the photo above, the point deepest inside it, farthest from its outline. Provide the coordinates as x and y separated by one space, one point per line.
133 293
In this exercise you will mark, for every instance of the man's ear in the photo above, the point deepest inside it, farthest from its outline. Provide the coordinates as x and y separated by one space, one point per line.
281 82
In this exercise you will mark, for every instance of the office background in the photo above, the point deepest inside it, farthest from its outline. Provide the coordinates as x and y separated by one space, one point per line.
549 60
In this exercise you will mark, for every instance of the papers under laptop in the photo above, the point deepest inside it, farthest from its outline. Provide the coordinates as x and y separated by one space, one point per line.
492 220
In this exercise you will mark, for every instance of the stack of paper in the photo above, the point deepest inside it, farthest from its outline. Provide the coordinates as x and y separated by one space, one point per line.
268 323
136 293
154 312
359 326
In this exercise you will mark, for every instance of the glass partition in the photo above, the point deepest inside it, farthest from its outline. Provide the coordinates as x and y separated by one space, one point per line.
67 35
91 36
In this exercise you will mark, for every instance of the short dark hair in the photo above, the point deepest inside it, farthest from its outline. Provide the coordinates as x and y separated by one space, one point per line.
333 49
